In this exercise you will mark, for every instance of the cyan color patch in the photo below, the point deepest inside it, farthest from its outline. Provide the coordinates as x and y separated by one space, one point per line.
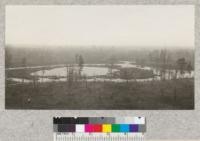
124 127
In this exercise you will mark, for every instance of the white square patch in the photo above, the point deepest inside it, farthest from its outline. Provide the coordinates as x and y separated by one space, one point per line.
80 128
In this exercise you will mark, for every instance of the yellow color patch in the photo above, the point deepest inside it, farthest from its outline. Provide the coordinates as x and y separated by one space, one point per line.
107 128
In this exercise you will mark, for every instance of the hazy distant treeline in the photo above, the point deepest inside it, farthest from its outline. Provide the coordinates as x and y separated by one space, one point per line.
18 56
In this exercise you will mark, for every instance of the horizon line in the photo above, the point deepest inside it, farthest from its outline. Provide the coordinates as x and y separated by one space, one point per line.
110 46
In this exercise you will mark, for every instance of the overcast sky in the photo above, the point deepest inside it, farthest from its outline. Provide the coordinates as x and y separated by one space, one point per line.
152 25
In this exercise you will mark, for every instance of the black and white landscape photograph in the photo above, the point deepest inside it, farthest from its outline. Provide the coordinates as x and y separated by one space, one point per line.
134 57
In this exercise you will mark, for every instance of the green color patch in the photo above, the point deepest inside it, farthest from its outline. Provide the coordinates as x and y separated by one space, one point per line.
115 128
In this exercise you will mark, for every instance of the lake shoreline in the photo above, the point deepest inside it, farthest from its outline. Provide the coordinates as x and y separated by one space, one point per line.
125 71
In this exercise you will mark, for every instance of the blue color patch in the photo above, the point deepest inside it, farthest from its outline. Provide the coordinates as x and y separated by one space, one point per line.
134 128
124 127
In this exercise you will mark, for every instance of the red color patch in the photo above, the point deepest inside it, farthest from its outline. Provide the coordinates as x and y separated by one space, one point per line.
97 128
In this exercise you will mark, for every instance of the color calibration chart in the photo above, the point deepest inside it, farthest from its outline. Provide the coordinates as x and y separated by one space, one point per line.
99 128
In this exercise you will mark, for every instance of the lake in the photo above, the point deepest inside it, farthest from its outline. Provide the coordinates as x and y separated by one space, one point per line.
93 70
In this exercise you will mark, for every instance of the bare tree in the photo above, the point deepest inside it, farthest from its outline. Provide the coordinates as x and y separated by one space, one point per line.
24 72
70 75
175 74
111 64
42 55
156 61
163 63
34 80
189 68
168 62
181 63
80 64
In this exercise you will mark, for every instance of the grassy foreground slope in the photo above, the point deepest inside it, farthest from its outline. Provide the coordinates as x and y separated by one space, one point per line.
168 94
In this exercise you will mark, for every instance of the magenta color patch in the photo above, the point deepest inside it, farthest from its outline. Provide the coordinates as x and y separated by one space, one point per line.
88 128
